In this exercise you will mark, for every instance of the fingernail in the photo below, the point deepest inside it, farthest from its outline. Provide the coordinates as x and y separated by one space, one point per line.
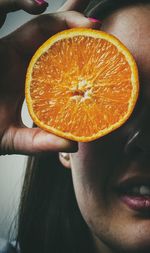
69 146
41 2
94 20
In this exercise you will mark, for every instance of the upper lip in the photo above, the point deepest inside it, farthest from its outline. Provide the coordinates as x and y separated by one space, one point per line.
133 172
131 181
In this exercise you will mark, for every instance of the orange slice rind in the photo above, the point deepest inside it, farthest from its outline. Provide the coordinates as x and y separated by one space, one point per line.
81 84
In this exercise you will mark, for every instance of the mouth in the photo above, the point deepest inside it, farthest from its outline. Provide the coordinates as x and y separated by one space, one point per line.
134 192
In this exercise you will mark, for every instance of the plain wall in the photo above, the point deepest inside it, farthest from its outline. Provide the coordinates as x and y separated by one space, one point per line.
12 167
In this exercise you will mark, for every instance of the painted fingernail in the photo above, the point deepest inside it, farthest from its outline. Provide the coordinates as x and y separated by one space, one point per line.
40 2
94 20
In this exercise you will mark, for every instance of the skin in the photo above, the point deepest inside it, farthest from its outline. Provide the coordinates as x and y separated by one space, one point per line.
16 50
29 6
99 165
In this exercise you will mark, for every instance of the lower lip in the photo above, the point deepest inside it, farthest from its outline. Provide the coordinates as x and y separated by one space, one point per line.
137 203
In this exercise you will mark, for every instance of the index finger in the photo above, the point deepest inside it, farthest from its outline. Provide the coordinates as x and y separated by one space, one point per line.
30 6
76 5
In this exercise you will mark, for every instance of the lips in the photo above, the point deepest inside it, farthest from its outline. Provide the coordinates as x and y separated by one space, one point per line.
141 204
134 192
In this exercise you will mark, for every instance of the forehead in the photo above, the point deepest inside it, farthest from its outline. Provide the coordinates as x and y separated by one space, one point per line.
132 26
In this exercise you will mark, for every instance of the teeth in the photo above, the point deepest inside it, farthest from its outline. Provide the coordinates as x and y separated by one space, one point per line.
144 190
136 190
140 190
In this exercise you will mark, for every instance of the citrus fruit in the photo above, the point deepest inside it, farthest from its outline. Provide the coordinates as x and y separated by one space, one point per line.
81 84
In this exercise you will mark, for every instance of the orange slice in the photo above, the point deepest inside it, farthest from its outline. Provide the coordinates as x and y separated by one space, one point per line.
81 84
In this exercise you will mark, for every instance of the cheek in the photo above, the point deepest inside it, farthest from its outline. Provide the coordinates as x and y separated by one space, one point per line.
91 172
95 165
93 168
100 157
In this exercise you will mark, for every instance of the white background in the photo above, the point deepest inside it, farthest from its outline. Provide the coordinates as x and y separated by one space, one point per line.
12 167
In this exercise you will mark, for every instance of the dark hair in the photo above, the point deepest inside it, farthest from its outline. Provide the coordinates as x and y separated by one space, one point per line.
50 220
102 8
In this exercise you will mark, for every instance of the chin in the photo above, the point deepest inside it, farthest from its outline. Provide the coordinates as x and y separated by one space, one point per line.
135 238
133 249
137 246
130 237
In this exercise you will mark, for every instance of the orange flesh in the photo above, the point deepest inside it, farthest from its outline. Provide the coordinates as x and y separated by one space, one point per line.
90 79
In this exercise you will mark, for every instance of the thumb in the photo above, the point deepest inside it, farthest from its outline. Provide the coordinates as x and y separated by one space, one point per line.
30 141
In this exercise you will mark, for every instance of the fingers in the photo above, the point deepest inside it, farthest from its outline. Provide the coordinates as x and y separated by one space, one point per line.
30 6
76 5
76 19
44 26
34 140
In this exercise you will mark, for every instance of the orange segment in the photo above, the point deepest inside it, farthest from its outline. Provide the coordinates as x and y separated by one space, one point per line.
81 84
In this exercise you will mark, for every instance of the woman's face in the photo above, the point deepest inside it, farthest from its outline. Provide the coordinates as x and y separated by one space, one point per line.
111 175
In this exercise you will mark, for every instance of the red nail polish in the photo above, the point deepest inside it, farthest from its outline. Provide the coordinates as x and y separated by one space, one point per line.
94 20
40 2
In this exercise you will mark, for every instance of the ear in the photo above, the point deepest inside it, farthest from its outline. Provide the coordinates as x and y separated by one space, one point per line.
65 160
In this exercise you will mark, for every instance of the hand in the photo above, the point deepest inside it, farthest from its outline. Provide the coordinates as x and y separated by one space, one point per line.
30 6
16 51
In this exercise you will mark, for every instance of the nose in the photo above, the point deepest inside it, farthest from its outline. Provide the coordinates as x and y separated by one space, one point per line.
140 137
